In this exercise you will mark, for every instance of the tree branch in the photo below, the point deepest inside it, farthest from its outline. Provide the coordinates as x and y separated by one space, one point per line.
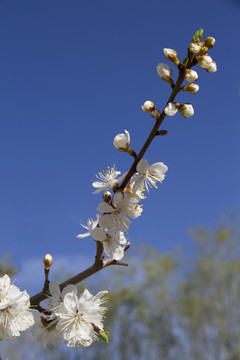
98 265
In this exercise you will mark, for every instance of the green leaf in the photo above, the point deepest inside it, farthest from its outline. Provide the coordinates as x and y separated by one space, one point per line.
198 35
185 61
104 336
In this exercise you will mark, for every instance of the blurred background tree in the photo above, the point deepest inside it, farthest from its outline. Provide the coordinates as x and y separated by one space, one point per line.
166 306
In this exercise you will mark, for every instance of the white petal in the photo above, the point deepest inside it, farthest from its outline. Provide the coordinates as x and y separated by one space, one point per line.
142 166
106 221
104 208
98 234
82 236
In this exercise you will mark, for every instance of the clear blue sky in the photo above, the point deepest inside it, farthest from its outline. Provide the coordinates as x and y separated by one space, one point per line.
73 75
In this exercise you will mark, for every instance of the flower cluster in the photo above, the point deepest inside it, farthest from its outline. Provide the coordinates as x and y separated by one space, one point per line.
197 52
76 321
15 315
118 208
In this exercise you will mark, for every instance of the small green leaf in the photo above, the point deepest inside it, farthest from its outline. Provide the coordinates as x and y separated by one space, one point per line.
185 61
198 35
104 336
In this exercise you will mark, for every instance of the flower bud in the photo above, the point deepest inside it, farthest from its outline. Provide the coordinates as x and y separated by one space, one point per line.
209 42
48 260
194 48
164 71
203 50
148 106
191 75
212 67
155 114
107 196
191 88
170 109
186 110
171 55
122 141
204 61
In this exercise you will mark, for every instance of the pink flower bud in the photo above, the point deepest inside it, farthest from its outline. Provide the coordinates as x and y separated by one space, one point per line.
209 42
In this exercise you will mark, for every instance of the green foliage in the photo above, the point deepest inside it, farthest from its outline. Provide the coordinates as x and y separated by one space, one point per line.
197 36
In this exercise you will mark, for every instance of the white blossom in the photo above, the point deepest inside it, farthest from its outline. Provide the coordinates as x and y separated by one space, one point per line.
204 61
58 295
46 332
94 230
78 316
212 67
195 48
148 106
15 315
191 88
170 109
164 71
113 218
186 110
122 141
108 179
148 175
191 75
112 246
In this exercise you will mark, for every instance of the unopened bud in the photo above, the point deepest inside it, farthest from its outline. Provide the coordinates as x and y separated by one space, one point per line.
209 42
204 61
212 67
191 75
103 335
148 106
203 50
194 48
162 132
164 72
186 110
171 55
48 260
155 114
171 109
191 88
197 36
122 141
107 196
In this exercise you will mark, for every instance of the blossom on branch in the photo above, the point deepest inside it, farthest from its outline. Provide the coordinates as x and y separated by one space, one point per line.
107 180
148 176
170 109
78 317
122 141
113 218
94 230
15 315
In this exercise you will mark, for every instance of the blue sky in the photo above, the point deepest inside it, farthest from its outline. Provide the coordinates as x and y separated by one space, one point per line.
73 75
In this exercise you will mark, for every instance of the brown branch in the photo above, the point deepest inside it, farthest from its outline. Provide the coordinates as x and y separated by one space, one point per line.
98 265
155 128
